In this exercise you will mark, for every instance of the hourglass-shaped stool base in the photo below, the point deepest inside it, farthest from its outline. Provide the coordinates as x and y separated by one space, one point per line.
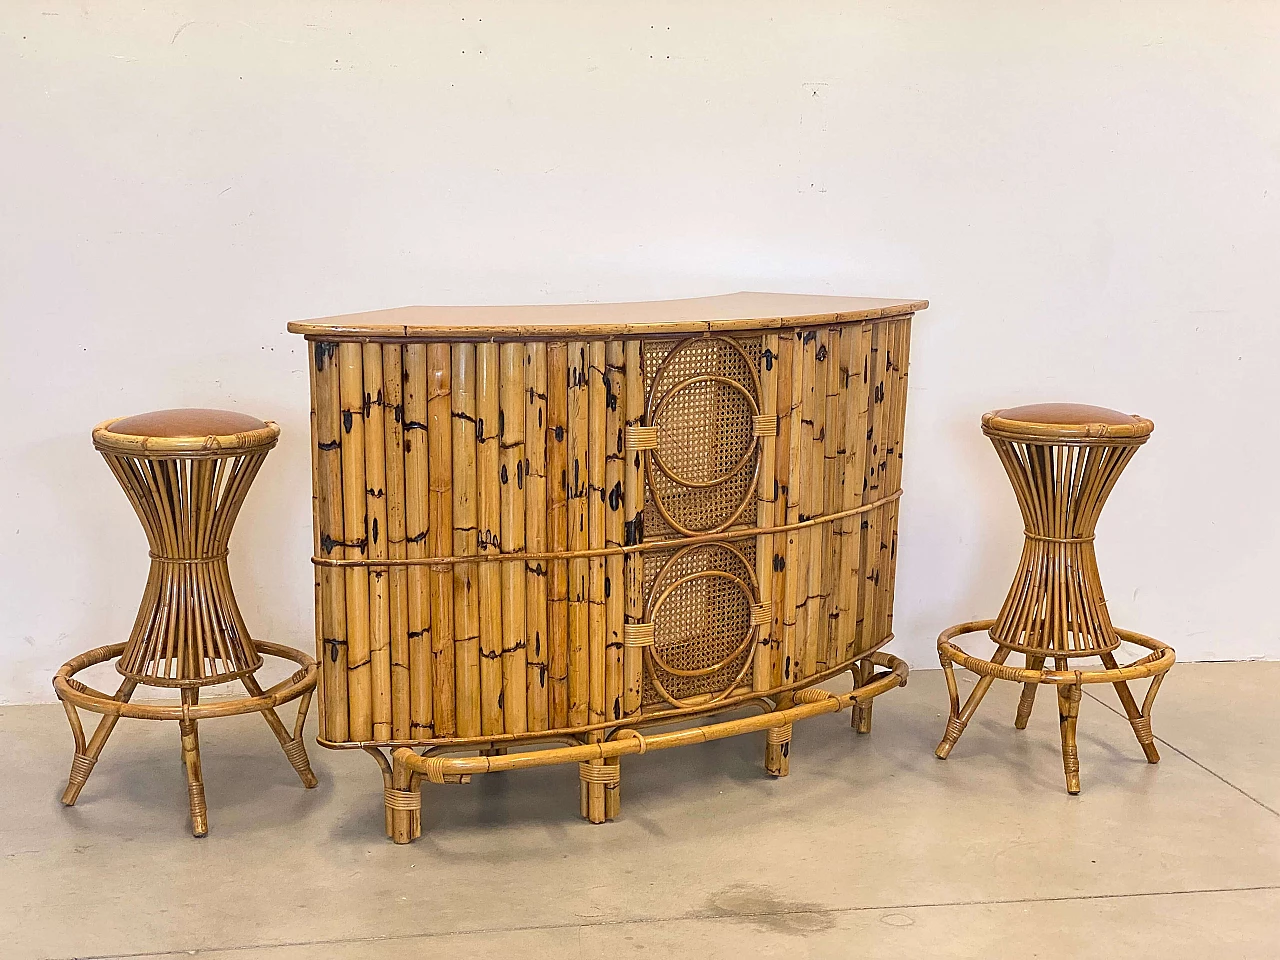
1062 459
186 474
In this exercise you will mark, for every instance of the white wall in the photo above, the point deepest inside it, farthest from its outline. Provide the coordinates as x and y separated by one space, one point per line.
1089 193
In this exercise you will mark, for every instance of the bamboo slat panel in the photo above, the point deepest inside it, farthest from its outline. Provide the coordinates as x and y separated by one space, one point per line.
524 538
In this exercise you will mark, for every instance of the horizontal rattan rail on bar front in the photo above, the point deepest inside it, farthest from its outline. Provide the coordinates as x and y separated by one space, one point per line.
572 525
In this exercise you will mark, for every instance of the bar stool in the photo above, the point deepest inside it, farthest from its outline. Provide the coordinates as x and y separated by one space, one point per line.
186 473
1063 460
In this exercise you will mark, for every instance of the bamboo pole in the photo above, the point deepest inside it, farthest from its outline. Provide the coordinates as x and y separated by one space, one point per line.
439 582
393 377
884 469
766 501
597 631
833 457
633 497
615 418
466 608
375 481
873 545
783 635
872 542
355 536
901 362
535 489
317 574
333 613
417 469
557 534
579 614
816 396
488 536
849 491
801 467
511 459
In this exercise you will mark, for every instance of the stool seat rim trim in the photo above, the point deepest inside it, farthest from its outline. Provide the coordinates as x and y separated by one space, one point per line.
95 701
1161 658
996 425
218 445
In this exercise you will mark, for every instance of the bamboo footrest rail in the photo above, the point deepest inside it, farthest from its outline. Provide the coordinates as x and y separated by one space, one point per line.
408 769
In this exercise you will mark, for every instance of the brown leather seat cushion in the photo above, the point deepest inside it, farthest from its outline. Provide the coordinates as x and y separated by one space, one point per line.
189 422
1067 414
1067 421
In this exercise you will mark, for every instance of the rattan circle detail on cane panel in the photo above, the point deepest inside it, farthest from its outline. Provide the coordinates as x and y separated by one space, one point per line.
695 487
700 605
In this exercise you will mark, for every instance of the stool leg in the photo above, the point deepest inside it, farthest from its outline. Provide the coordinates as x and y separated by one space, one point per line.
293 746
959 718
87 755
1028 698
1141 724
1068 711
860 719
191 755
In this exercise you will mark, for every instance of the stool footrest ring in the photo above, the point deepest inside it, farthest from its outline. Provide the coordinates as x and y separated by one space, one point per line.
1161 658
81 695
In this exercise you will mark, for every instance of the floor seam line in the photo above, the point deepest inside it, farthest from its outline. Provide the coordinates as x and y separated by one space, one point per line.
821 911
1186 756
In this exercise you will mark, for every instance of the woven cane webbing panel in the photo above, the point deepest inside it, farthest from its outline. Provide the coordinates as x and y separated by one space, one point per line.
704 431
700 623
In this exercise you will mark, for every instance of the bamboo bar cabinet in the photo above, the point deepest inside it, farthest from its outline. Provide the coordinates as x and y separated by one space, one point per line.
186 473
567 525
1063 460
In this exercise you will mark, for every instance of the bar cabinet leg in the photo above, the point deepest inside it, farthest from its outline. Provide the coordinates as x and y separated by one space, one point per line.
191 756
594 776
87 754
861 713
612 790
1028 698
402 796
777 750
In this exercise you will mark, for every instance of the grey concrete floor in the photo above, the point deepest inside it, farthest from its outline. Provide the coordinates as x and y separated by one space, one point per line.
871 848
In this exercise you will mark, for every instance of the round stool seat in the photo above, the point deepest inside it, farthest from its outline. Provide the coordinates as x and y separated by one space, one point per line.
1065 421
184 432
